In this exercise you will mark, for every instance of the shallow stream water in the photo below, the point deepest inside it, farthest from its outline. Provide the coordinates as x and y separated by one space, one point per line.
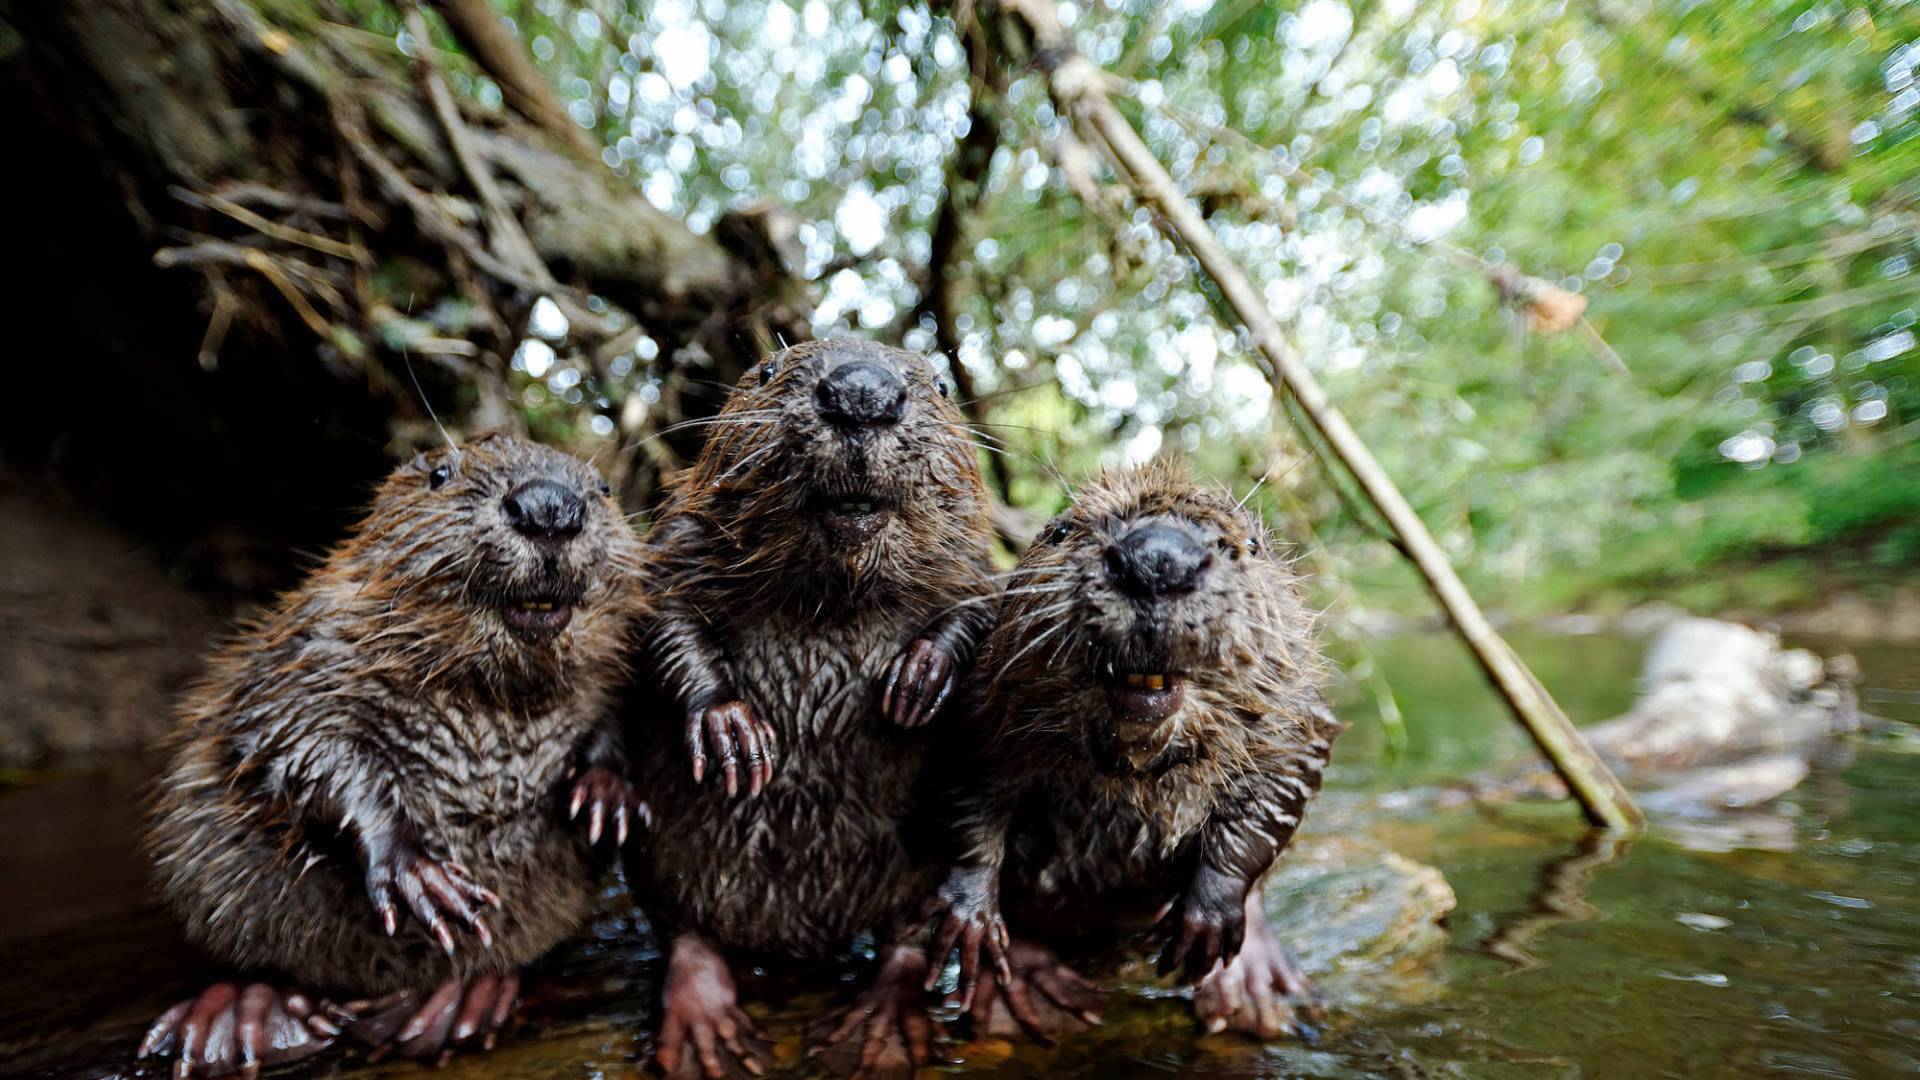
1782 941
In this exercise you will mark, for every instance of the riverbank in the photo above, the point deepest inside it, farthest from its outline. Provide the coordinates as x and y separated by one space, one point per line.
1890 615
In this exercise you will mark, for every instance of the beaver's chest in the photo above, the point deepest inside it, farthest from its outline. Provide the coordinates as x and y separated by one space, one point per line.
818 684
485 781
1073 851
820 853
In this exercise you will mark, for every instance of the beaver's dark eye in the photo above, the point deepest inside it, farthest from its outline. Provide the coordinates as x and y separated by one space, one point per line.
606 489
945 387
1056 532
767 371
439 476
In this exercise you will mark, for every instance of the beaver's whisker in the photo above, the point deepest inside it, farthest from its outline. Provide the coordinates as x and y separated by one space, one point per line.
1031 645
977 433
743 462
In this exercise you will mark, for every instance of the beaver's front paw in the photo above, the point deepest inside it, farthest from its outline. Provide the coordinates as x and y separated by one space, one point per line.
734 735
1205 926
919 683
603 793
966 914
438 893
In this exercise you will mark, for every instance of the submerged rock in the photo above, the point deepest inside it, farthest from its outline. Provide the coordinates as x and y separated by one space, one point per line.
1355 912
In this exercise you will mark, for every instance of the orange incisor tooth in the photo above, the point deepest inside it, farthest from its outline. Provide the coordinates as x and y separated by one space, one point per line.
1135 679
1156 682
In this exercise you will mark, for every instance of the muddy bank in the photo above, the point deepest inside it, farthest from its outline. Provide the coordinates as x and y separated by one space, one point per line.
95 636
1891 617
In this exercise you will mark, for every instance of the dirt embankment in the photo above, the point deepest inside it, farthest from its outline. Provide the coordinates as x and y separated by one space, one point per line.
95 636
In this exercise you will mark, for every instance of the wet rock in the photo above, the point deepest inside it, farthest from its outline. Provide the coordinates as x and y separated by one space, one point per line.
1356 912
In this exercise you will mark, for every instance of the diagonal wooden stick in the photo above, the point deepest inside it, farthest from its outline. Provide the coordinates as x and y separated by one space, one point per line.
1079 90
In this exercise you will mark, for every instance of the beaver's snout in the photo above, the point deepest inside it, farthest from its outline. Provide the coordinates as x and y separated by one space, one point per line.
1158 558
552 514
861 394
545 511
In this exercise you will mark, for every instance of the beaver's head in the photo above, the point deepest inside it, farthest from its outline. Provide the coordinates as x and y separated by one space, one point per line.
499 560
1144 618
844 454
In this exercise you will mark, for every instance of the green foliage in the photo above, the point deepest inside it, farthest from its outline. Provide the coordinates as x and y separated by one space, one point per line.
1730 186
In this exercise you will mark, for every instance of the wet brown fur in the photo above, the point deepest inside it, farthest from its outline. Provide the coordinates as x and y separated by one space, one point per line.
1098 822
758 601
387 684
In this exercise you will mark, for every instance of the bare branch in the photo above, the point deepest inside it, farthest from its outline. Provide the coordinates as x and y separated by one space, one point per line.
1079 90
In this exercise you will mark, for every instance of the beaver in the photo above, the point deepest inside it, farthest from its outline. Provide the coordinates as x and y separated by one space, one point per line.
400 730
820 579
1150 730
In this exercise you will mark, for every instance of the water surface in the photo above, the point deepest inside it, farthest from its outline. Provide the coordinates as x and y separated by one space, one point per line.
1782 941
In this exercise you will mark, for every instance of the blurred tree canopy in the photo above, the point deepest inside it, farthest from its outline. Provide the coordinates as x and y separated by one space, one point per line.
1731 189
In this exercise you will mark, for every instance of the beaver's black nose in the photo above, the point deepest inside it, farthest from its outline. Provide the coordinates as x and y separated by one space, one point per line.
545 510
861 393
1158 558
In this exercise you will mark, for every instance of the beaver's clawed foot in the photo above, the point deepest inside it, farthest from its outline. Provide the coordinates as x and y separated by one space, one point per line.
438 893
605 795
1205 926
899 1032
918 684
455 1016
701 1007
736 737
1042 997
230 1029
1250 995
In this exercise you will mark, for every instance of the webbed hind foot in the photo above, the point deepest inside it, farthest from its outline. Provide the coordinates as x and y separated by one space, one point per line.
232 1029
899 1032
454 1017
703 1030
1043 997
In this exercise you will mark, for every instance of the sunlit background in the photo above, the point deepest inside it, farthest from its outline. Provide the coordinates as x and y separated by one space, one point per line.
1622 293
1731 187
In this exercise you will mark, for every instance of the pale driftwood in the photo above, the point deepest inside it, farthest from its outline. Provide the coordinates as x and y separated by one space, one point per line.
1079 90
1714 693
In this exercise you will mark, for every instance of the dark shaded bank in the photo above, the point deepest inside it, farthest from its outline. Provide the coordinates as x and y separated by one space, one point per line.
97 633
251 234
